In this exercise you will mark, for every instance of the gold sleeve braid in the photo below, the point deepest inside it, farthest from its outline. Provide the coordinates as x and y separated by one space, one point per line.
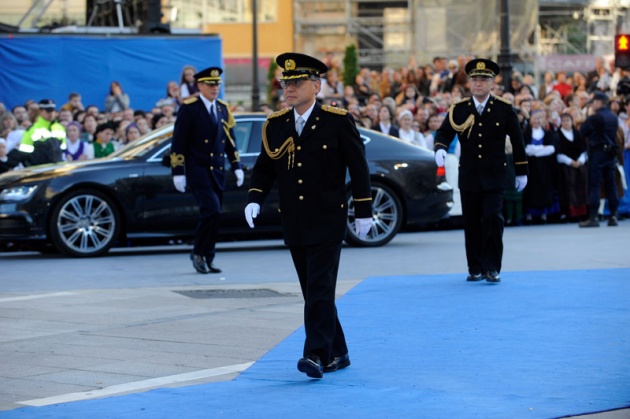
287 147
177 159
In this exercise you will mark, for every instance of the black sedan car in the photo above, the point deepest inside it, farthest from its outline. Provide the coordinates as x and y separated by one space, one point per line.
84 208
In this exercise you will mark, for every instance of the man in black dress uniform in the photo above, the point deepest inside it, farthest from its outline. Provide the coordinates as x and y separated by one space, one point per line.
202 138
481 124
308 149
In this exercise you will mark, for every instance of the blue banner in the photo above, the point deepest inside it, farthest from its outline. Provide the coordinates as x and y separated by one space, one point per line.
52 66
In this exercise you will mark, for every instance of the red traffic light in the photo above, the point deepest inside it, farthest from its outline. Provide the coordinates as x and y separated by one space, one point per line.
621 43
622 51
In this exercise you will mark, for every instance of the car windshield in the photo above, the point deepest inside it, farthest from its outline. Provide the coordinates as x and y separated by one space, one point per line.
145 144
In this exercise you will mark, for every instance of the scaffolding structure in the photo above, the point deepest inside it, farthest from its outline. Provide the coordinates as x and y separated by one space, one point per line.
392 32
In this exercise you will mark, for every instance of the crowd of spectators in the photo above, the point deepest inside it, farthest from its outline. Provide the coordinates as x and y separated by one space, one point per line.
409 103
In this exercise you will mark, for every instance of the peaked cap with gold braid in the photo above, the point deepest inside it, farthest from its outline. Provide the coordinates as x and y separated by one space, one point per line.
299 66
481 67
211 76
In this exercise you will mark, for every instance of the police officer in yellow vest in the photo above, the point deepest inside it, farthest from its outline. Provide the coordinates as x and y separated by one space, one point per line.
45 140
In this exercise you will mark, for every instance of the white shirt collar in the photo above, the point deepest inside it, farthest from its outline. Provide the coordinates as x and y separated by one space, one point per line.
477 103
207 103
306 114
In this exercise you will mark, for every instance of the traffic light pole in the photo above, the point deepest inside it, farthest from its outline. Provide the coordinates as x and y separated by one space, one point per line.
505 55
255 87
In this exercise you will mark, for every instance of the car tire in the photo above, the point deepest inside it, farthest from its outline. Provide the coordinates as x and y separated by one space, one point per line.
84 223
387 218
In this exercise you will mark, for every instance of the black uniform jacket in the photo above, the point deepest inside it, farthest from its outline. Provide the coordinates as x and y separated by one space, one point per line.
482 164
311 174
199 146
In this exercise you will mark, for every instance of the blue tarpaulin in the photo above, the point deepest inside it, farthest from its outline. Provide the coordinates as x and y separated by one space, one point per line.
52 66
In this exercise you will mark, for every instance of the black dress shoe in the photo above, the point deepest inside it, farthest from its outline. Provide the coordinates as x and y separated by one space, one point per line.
199 263
591 222
311 366
493 276
213 269
474 277
338 363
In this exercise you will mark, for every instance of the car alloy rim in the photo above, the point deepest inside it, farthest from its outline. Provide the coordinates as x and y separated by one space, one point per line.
86 223
384 215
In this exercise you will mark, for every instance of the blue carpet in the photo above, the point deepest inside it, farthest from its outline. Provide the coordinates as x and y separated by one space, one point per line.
539 345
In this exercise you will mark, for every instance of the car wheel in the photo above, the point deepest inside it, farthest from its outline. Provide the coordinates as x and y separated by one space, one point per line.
84 223
386 218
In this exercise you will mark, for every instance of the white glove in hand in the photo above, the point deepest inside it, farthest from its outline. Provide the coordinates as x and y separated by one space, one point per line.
251 211
439 157
362 226
521 182
240 177
180 182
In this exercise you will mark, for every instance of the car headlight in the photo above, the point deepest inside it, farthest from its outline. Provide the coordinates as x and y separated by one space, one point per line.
18 193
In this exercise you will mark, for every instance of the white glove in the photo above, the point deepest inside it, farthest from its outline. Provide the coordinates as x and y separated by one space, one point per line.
251 211
240 177
362 226
180 182
521 182
439 157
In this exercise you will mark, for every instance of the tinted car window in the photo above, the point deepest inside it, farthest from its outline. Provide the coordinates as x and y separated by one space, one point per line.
242 132
256 138
144 146
248 134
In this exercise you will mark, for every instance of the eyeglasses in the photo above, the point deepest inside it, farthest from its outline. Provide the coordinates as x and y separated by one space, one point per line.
292 83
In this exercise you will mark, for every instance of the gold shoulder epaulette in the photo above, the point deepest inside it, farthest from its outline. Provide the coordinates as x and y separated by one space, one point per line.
503 100
223 102
278 113
332 109
462 100
190 100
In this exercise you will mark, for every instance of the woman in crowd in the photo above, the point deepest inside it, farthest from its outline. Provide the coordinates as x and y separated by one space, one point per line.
406 132
540 147
143 126
571 156
385 123
408 96
332 88
103 145
75 148
188 85
173 95
8 123
89 128
6 161
117 100
132 133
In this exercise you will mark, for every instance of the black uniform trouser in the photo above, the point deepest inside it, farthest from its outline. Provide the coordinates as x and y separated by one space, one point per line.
317 268
482 212
209 199
602 166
